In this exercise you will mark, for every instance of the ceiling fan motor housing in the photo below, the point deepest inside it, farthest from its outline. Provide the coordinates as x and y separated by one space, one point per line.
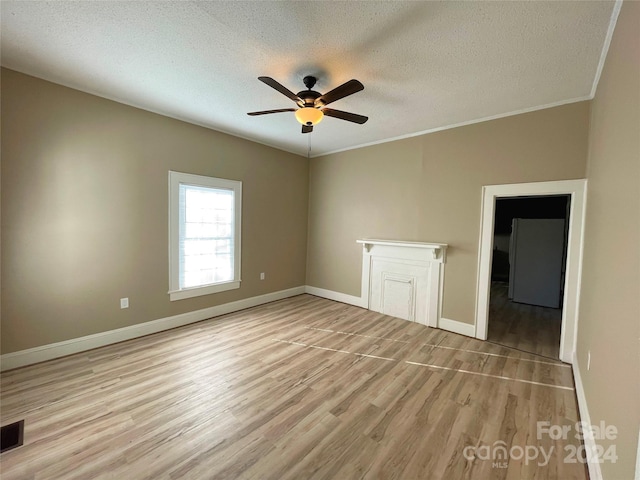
308 98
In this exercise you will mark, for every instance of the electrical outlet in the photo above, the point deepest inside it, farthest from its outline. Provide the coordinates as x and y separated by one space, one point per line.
262 276
588 360
124 303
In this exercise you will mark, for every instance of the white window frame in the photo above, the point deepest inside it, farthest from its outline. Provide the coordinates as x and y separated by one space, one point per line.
175 180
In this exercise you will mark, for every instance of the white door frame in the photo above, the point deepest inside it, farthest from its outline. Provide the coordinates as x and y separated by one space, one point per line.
577 190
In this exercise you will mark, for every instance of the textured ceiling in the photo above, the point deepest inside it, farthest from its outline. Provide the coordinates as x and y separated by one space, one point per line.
425 65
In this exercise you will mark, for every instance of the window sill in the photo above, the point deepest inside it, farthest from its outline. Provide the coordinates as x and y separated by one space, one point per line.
205 290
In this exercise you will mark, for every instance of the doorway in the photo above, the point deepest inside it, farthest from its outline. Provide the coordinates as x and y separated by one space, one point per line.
527 273
576 190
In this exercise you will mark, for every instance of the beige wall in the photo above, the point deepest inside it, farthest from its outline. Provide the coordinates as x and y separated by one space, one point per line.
84 212
429 188
609 324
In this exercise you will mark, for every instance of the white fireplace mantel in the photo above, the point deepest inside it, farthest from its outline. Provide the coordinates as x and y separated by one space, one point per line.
437 251
404 279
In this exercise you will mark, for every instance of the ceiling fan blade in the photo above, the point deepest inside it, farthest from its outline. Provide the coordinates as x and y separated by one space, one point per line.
349 117
281 88
348 88
307 128
265 112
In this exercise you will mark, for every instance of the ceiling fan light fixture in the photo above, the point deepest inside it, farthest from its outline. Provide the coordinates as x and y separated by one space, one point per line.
309 116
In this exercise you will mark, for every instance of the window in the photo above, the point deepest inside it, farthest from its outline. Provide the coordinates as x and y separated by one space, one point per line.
204 235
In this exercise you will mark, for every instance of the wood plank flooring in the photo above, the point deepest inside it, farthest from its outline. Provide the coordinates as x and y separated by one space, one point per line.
303 388
529 328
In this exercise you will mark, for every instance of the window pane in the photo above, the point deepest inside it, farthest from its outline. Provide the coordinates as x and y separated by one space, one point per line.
206 235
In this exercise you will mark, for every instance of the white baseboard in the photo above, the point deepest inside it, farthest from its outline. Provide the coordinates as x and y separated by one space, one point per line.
444 323
81 344
457 327
595 473
336 296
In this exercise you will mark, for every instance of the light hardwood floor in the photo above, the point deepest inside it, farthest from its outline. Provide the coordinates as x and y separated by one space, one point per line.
303 388
529 328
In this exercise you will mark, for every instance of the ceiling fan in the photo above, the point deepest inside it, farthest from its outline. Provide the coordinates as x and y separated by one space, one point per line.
312 104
